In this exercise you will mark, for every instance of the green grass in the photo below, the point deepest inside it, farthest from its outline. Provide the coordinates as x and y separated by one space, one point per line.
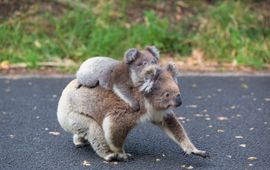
233 31
225 31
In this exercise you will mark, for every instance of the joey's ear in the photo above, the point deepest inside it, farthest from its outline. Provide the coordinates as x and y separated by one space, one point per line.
153 50
171 67
131 55
149 75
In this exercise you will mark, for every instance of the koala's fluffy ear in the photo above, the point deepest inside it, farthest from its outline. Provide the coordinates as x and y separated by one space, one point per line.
153 50
171 67
131 55
149 75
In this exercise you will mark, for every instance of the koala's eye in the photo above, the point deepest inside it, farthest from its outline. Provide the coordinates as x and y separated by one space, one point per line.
153 62
139 64
167 95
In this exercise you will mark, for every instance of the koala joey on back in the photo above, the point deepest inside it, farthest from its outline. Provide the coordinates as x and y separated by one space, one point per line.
117 76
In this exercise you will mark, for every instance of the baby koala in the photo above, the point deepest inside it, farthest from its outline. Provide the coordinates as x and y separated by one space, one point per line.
120 77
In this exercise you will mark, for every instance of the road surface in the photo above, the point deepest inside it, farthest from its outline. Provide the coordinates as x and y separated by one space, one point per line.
227 116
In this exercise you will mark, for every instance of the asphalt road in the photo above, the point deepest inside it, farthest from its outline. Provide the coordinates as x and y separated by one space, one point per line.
227 116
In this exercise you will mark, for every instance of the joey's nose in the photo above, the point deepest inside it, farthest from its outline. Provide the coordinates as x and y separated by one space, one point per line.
178 100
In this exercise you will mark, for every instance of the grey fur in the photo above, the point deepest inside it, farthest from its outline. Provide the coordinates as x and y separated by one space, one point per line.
95 71
130 55
153 50
171 67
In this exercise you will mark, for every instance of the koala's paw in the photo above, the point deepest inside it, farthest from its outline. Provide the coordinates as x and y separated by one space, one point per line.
135 107
201 153
79 141
118 157
78 85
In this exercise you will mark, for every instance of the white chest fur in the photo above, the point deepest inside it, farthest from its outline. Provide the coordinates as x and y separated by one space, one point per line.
151 114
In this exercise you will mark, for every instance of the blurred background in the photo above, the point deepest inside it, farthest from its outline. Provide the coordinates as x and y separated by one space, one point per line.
211 35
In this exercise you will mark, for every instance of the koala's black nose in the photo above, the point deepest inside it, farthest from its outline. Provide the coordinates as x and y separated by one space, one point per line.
178 100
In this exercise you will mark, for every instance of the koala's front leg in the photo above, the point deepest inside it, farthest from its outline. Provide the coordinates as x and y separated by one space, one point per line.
173 128
115 133
124 92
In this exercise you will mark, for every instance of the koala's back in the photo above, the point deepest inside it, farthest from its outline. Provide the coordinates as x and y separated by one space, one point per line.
96 70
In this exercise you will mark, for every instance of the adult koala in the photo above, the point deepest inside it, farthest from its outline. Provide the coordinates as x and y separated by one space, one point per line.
98 116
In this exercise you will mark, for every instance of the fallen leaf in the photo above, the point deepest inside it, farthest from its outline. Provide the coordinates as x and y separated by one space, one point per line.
243 145
86 163
198 115
219 90
252 158
5 65
233 107
181 118
198 97
191 106
245 86
54 133
267 99
222 118
239 137
190 167
220 130
194 85
12 136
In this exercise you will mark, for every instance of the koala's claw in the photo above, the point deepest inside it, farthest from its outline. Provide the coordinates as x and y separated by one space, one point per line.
202 154
118 157
131 157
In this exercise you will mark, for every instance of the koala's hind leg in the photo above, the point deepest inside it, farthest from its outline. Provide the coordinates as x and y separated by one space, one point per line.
173 128
96 138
